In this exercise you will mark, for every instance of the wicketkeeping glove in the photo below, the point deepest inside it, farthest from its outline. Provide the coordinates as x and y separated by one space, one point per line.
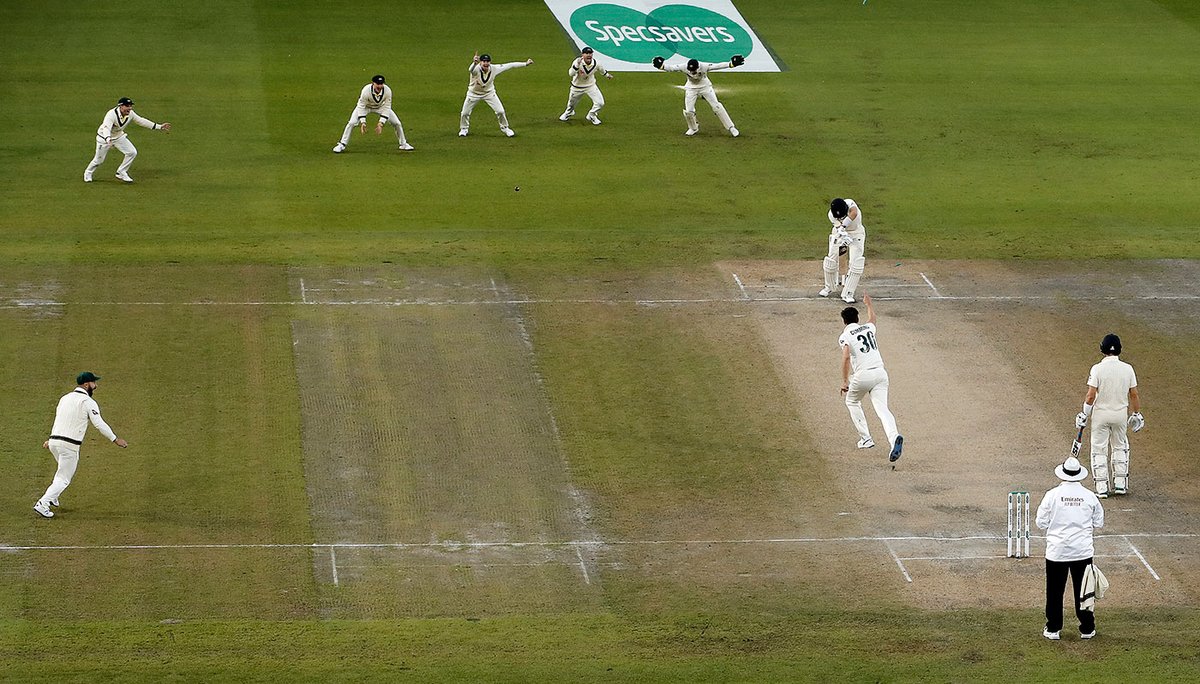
658 62
1080 419
737 60
1136 422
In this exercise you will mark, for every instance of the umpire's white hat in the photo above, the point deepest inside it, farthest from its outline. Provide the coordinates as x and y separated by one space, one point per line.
1071 470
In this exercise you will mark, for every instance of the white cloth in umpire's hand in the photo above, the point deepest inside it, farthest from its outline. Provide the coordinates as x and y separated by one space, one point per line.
1081 419
1136 422
1094 585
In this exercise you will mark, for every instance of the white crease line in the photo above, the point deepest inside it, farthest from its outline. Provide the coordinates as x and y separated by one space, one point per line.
583 566
947 558
303 292
333 563
930 284
899 564
736 279
495 290
1142 559
453 545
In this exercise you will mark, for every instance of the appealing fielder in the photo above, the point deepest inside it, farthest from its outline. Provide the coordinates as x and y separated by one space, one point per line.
848 232
1111 392
482 86
699 86
375 98
112 134
583 82
75 409
860 355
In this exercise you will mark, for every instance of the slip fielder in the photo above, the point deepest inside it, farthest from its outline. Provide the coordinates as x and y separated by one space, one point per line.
848 231
482 86
583 82
71 418
1112 391
699 86
375 98
112 134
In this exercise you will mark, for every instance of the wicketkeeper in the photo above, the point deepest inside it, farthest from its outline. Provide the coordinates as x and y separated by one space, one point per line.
375 98
699 86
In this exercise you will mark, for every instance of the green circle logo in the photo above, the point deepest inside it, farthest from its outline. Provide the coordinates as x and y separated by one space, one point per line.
627 34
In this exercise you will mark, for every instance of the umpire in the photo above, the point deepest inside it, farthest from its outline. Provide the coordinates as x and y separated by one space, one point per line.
1068 513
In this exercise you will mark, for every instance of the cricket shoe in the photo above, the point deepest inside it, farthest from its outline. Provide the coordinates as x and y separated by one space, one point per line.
462 132
1052 636
1089 635
87 177
896 449
825 292
43 510
848 298
509 132
594 119
733 131
339 148
691 131
867 443
565 116
124 178
54 503
405 146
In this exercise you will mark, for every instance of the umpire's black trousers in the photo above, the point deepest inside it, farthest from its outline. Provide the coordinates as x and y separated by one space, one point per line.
1056 583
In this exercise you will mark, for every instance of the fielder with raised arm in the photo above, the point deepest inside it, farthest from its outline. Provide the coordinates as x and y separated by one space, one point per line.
482 86
71 418
112 134
848 232
583 82
375 98
863 374
1111 392
699 86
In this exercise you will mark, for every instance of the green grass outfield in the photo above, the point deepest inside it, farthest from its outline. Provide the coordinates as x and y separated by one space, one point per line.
967 130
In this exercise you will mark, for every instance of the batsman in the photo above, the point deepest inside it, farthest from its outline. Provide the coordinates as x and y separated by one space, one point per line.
847 234
1111 392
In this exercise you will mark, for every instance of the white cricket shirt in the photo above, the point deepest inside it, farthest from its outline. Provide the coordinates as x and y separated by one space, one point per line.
113 126
699 79
1069 513
482 82
75 409
864 351
1112 378
369 99
853 226
590 71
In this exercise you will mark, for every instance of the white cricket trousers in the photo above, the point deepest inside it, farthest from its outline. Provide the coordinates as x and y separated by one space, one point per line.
464 119
690 95
1108 432
577 94
67 455
872 382
122 143
384 115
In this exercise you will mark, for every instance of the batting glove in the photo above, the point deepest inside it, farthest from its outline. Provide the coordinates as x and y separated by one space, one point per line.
1136 422
1081 419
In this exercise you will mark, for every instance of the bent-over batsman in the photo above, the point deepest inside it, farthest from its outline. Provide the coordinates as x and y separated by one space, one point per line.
848 232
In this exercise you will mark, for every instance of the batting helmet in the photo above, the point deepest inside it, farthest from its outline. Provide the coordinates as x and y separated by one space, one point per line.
1110 345
377 78
839 208
693 64
125 101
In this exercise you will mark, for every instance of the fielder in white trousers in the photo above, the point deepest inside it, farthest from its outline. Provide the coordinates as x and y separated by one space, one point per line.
482 88
374 98
111 133
699 86
863 374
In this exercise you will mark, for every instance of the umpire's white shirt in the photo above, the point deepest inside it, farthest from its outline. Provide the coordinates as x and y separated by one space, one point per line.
370 100
1069 513
854 226
75 409
864 350
113 126
1112 378
483 83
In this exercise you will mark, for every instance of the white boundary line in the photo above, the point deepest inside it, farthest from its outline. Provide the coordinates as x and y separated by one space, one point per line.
907 577
1142 559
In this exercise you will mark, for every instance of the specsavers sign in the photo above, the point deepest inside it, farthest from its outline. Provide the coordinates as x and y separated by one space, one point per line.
628 34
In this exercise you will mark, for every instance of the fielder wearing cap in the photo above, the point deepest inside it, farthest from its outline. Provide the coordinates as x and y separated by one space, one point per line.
1111 392
1068 513
112 134
583 82
374 98
482 86
75 409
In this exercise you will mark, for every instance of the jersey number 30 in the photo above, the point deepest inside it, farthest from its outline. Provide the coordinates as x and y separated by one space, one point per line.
868 342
